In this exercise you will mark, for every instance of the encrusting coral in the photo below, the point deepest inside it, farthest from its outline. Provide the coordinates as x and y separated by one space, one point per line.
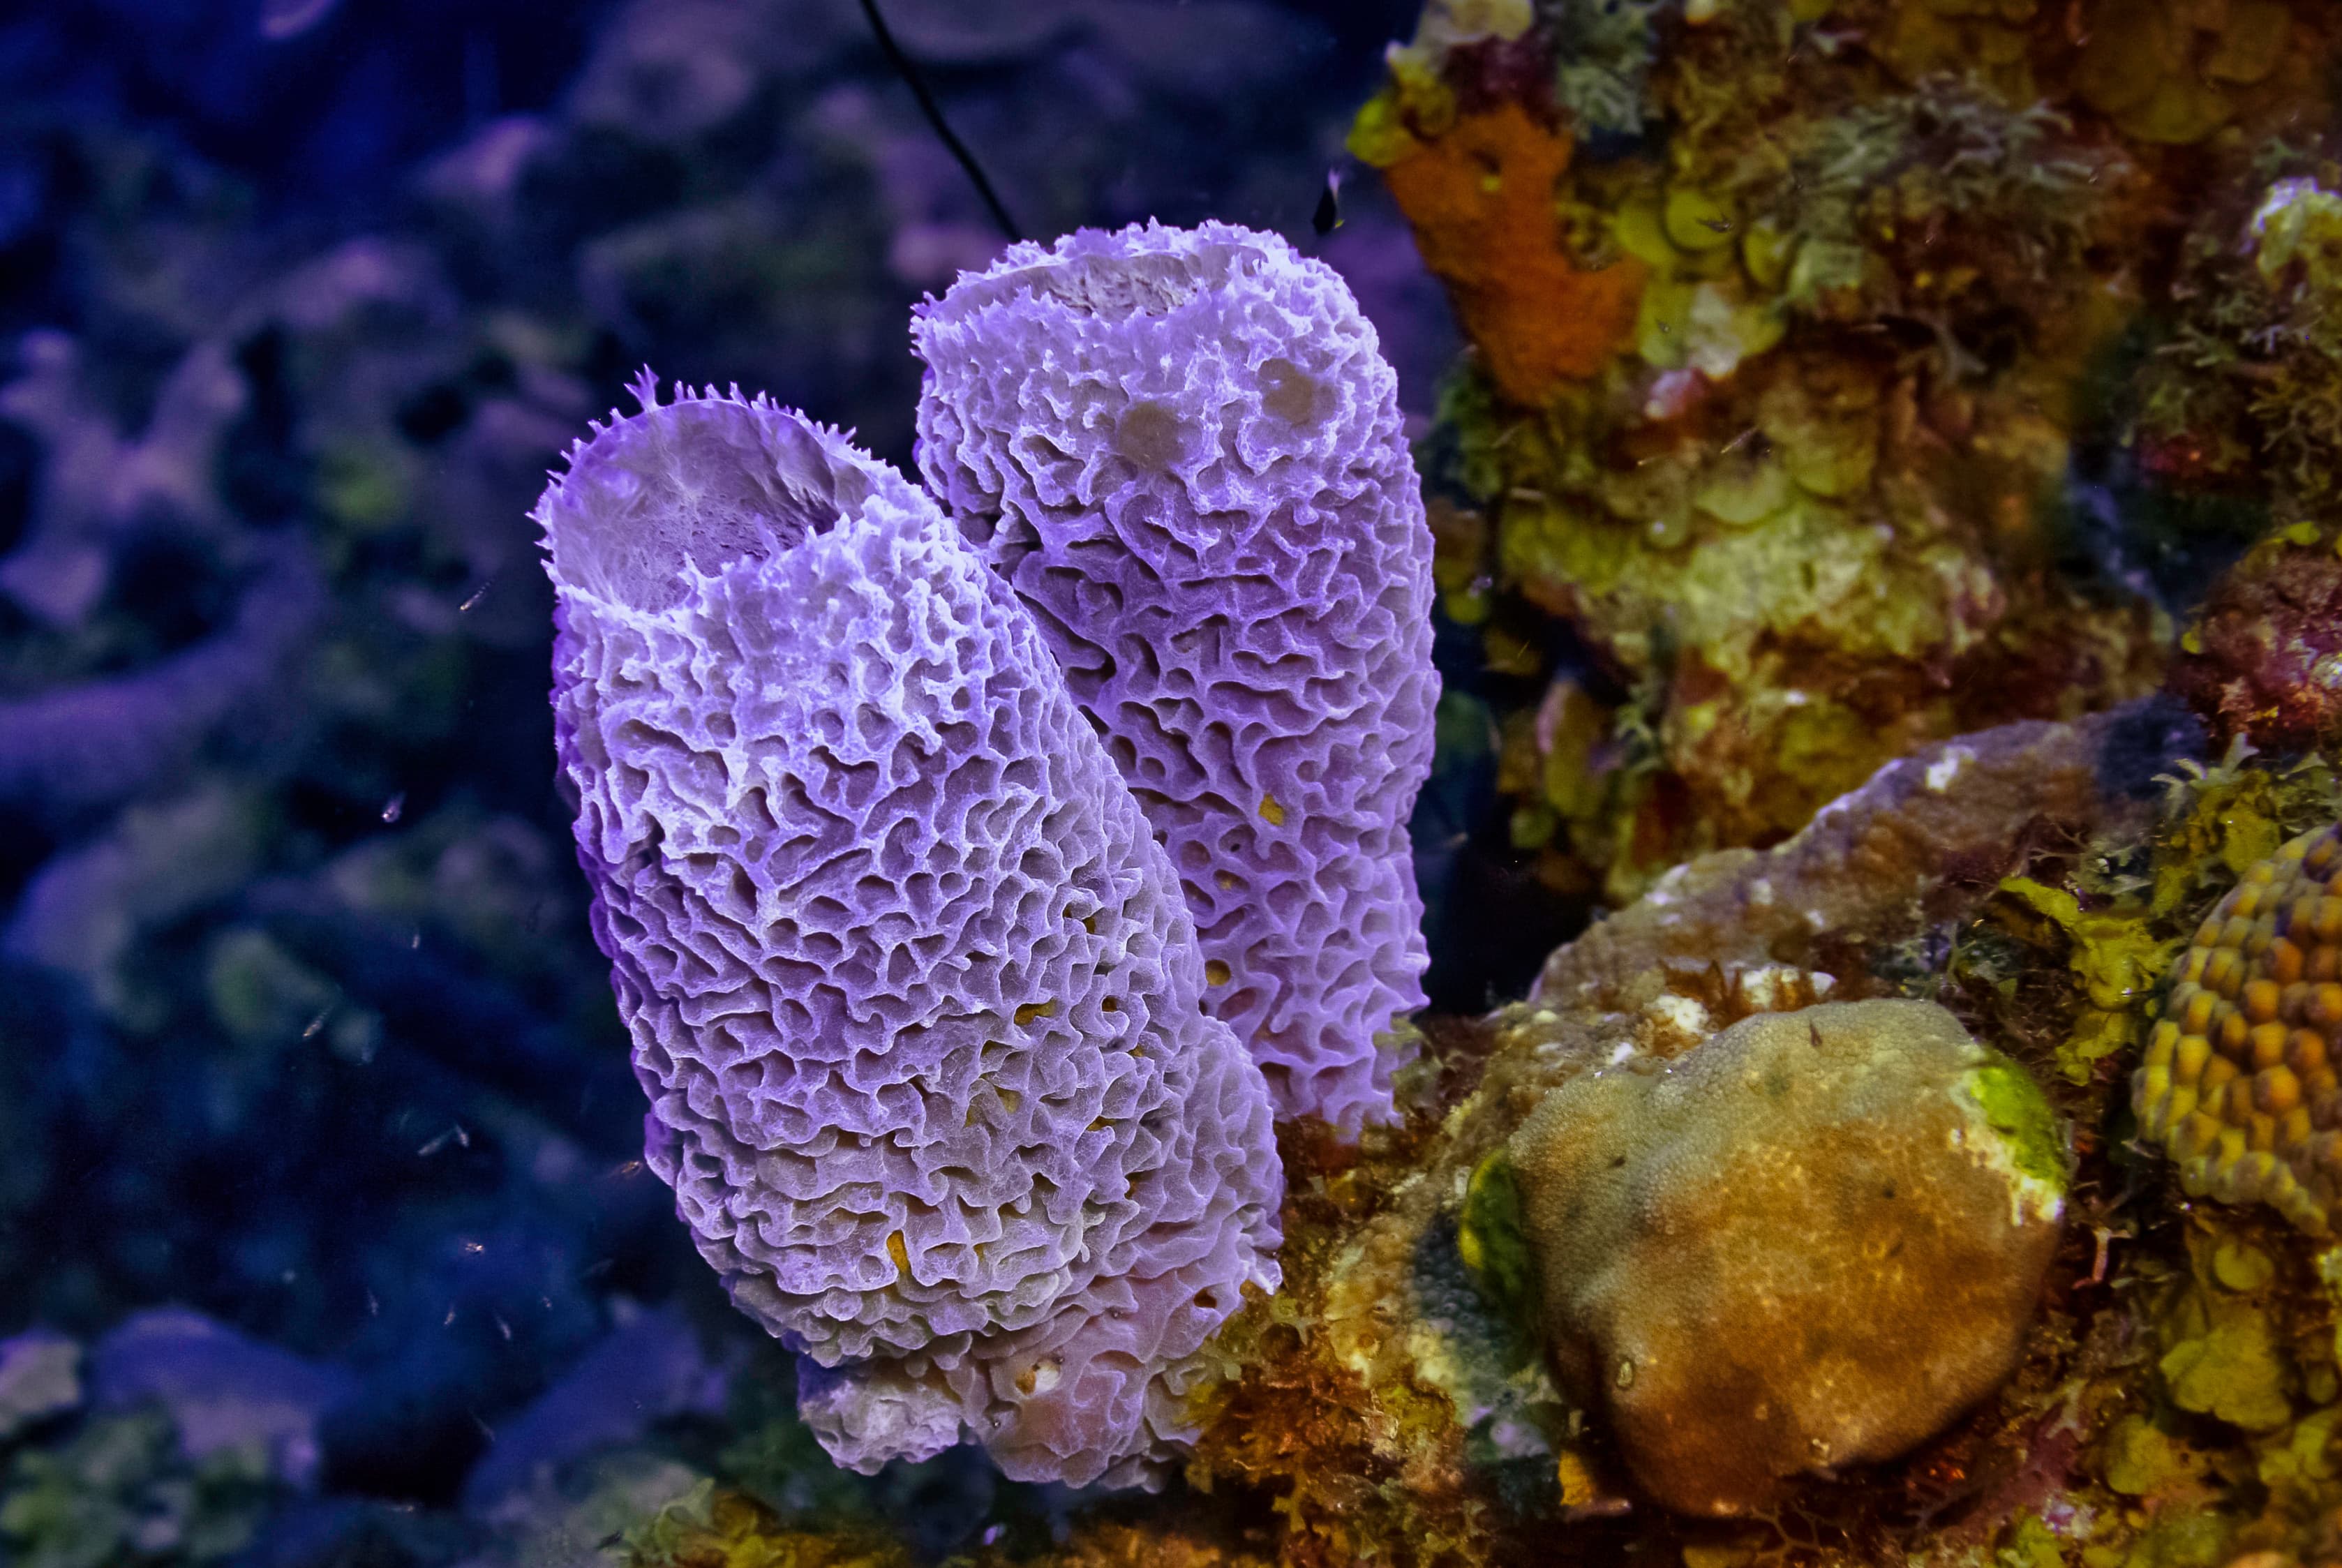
1807 1242
1479 197
2238 1079
1182 448
911 990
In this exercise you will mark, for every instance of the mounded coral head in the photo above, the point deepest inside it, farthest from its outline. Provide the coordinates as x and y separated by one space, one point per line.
2238 1081
1809 1241
911 988
1182 448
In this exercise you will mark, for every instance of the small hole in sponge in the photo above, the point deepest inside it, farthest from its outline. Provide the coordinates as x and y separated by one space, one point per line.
1151 435
1289 391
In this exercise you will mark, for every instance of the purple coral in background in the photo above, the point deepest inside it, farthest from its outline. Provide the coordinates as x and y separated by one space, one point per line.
912 991
1183 448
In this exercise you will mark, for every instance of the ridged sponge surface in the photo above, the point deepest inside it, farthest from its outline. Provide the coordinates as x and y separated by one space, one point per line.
911 990
1183 448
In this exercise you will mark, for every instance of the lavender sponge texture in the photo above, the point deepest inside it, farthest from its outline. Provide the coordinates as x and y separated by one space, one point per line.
1183 448
911 990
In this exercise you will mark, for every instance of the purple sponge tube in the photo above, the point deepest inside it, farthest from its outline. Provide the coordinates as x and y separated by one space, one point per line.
1183 448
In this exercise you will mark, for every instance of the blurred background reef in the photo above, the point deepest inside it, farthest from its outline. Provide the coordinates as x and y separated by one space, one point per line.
1882 455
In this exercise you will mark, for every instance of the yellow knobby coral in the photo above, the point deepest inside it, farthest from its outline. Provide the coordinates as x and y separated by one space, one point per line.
2238 1081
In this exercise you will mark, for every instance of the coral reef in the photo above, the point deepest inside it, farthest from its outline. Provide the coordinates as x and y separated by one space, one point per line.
178 1441
2173 1398
1809 1241
1854 466
40 1375
106 740
913 992
1844 376
1477 196
1182 448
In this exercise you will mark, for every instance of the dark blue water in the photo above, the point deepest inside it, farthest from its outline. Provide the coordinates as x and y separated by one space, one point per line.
322 1236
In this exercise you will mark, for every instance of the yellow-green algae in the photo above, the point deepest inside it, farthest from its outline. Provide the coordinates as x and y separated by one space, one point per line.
2015 1107
1490 1238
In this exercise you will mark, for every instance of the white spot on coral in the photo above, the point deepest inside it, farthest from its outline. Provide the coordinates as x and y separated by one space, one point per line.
1945 768
1768 987
1681 1013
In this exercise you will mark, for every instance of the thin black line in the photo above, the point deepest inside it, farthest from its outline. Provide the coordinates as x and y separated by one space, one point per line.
934 113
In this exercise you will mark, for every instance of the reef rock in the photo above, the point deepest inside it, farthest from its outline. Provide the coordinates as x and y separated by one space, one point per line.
224 1391
1809 1241
2264 659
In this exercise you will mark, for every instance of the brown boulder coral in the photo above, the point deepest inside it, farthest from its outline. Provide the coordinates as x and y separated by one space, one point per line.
1810 1241
2238 1082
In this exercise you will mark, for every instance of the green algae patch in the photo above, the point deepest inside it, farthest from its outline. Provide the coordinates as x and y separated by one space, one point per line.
2219 822
2120 957
2116 956
2227 1366
1380 137
2303 1460
2241 1266
1493 1241
2181 1540
2142 1460
2015 1107
711 1528
2031 1545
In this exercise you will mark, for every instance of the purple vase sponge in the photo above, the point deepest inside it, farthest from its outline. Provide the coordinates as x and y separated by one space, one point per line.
1183 449
911 990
